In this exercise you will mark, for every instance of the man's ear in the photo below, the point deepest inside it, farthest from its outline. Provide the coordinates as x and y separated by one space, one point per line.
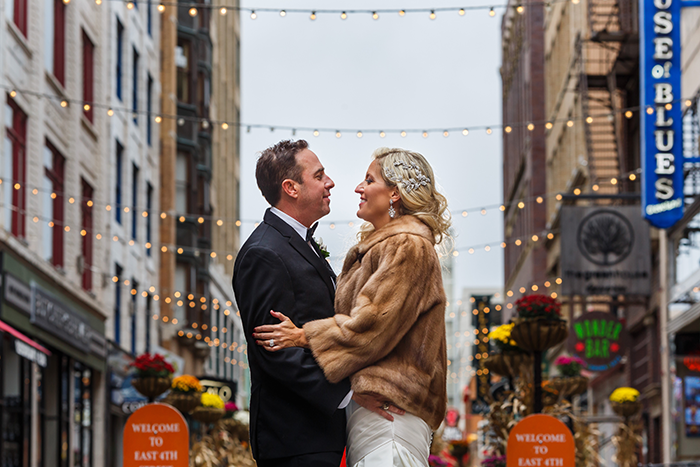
290 188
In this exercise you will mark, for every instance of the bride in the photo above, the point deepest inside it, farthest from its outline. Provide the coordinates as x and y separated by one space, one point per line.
388 332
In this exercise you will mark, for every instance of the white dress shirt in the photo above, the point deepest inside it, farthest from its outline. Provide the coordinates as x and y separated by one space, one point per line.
301 230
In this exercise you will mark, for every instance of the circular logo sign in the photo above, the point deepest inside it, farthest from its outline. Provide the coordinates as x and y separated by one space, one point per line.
599 339
605 237
540 441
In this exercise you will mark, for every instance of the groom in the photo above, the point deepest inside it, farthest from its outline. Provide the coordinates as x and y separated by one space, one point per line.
297 416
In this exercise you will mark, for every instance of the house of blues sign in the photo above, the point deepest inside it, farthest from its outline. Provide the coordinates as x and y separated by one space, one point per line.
661 116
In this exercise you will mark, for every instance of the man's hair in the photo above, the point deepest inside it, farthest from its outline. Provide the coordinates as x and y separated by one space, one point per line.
275 165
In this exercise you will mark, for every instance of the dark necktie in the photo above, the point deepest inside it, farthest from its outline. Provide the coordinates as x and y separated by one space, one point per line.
310 232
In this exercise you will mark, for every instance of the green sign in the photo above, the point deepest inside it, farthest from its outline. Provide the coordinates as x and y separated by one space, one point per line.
599 339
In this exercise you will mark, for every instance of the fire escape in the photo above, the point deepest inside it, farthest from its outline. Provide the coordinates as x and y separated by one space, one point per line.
609 59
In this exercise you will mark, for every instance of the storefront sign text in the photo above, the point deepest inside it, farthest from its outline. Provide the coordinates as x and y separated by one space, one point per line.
156 435
661 114
54 317
599 339
540 441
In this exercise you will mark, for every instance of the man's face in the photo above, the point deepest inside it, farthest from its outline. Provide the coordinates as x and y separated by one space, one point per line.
314 194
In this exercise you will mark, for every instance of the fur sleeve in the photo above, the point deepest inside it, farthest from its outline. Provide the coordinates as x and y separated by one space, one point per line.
385 309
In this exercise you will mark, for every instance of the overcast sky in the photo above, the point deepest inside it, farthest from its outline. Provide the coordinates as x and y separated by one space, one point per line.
393 73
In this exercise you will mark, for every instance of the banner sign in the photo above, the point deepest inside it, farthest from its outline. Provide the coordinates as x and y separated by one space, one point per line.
599 339
660 114
540 441
605 251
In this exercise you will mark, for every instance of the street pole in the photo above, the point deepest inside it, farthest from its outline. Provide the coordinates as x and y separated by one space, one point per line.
537 403
665 363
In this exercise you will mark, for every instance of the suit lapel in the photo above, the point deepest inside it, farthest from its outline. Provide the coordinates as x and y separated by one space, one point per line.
302 247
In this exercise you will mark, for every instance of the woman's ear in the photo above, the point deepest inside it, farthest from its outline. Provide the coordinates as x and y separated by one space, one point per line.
290 188
395 195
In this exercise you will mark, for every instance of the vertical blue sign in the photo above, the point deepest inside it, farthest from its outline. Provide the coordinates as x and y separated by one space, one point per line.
661 130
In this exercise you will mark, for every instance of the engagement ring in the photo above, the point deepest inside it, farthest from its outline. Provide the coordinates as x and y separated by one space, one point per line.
385 406
272 342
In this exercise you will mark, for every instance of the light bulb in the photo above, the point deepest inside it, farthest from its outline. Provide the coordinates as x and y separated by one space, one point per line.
337 134
461 12
403 134
253 15
313 15
316 133
359 134
161 8
492 13
432 14
382 134
402 12
193 12
223 11
343 15
375 15
465 132
283 13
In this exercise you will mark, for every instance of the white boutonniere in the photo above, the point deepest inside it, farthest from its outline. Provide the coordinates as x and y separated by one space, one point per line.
322 248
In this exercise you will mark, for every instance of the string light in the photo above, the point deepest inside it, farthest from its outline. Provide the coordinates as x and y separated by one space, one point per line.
492 13
193 12
253 15
343 15
161 8
223 11
313 16
283 13
402 12
432 14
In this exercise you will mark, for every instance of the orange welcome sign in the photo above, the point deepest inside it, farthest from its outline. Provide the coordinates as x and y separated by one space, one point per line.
156 435
540 441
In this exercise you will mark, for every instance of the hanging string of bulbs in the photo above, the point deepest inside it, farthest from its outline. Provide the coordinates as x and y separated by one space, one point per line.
314 14
64 102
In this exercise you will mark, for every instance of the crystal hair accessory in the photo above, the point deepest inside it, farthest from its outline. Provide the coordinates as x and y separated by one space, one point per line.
411 184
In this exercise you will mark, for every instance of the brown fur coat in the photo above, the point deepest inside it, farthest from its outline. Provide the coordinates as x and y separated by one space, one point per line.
388 333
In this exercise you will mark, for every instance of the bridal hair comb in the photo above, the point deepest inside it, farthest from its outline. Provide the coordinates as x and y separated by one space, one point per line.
410 184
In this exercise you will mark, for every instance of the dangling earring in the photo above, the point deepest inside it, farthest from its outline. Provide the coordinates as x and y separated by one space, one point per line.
392 211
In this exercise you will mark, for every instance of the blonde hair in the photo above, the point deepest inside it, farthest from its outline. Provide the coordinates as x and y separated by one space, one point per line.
423 202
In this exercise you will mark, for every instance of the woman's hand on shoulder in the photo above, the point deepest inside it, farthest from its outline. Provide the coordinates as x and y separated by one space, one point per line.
274 337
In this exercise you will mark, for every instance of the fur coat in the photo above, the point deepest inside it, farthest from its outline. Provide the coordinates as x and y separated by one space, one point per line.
388 333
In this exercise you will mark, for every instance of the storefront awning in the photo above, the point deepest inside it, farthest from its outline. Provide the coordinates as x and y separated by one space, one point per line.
26 347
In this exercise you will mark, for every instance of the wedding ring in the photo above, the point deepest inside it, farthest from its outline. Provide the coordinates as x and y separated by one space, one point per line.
385 406
271 343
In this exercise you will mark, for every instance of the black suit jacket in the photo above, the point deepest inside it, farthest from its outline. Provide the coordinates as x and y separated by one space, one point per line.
293 408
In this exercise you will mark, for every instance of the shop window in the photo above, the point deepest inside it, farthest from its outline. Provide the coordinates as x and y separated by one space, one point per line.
81 441
54 164
54 418
87 235
15 167
88 73
16 408
182 61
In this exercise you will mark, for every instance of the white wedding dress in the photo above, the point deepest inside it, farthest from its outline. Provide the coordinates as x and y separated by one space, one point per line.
374 441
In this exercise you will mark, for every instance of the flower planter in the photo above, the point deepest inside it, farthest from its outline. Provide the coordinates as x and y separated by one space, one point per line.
507 363
538 335
151 386
626 409
570 385
185 402
207 414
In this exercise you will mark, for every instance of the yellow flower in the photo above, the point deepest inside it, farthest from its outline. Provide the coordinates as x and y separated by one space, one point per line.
502 333
212 400
624 395
186 383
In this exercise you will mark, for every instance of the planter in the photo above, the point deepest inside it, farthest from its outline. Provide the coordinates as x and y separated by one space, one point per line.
151 386
538 335
207 414
507 363
185 402
570 385
626 409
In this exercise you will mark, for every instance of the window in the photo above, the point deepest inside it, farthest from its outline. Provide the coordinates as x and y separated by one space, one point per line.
147 323
134 200
120 53
135 98
55 25
181 183
117 304
15 167
134 314
16 11
53 180
149 105
149 18
86 232
149 207
88 73
182 61
82 415
118 183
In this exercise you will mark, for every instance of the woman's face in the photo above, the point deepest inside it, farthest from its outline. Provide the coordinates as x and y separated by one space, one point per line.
374 197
